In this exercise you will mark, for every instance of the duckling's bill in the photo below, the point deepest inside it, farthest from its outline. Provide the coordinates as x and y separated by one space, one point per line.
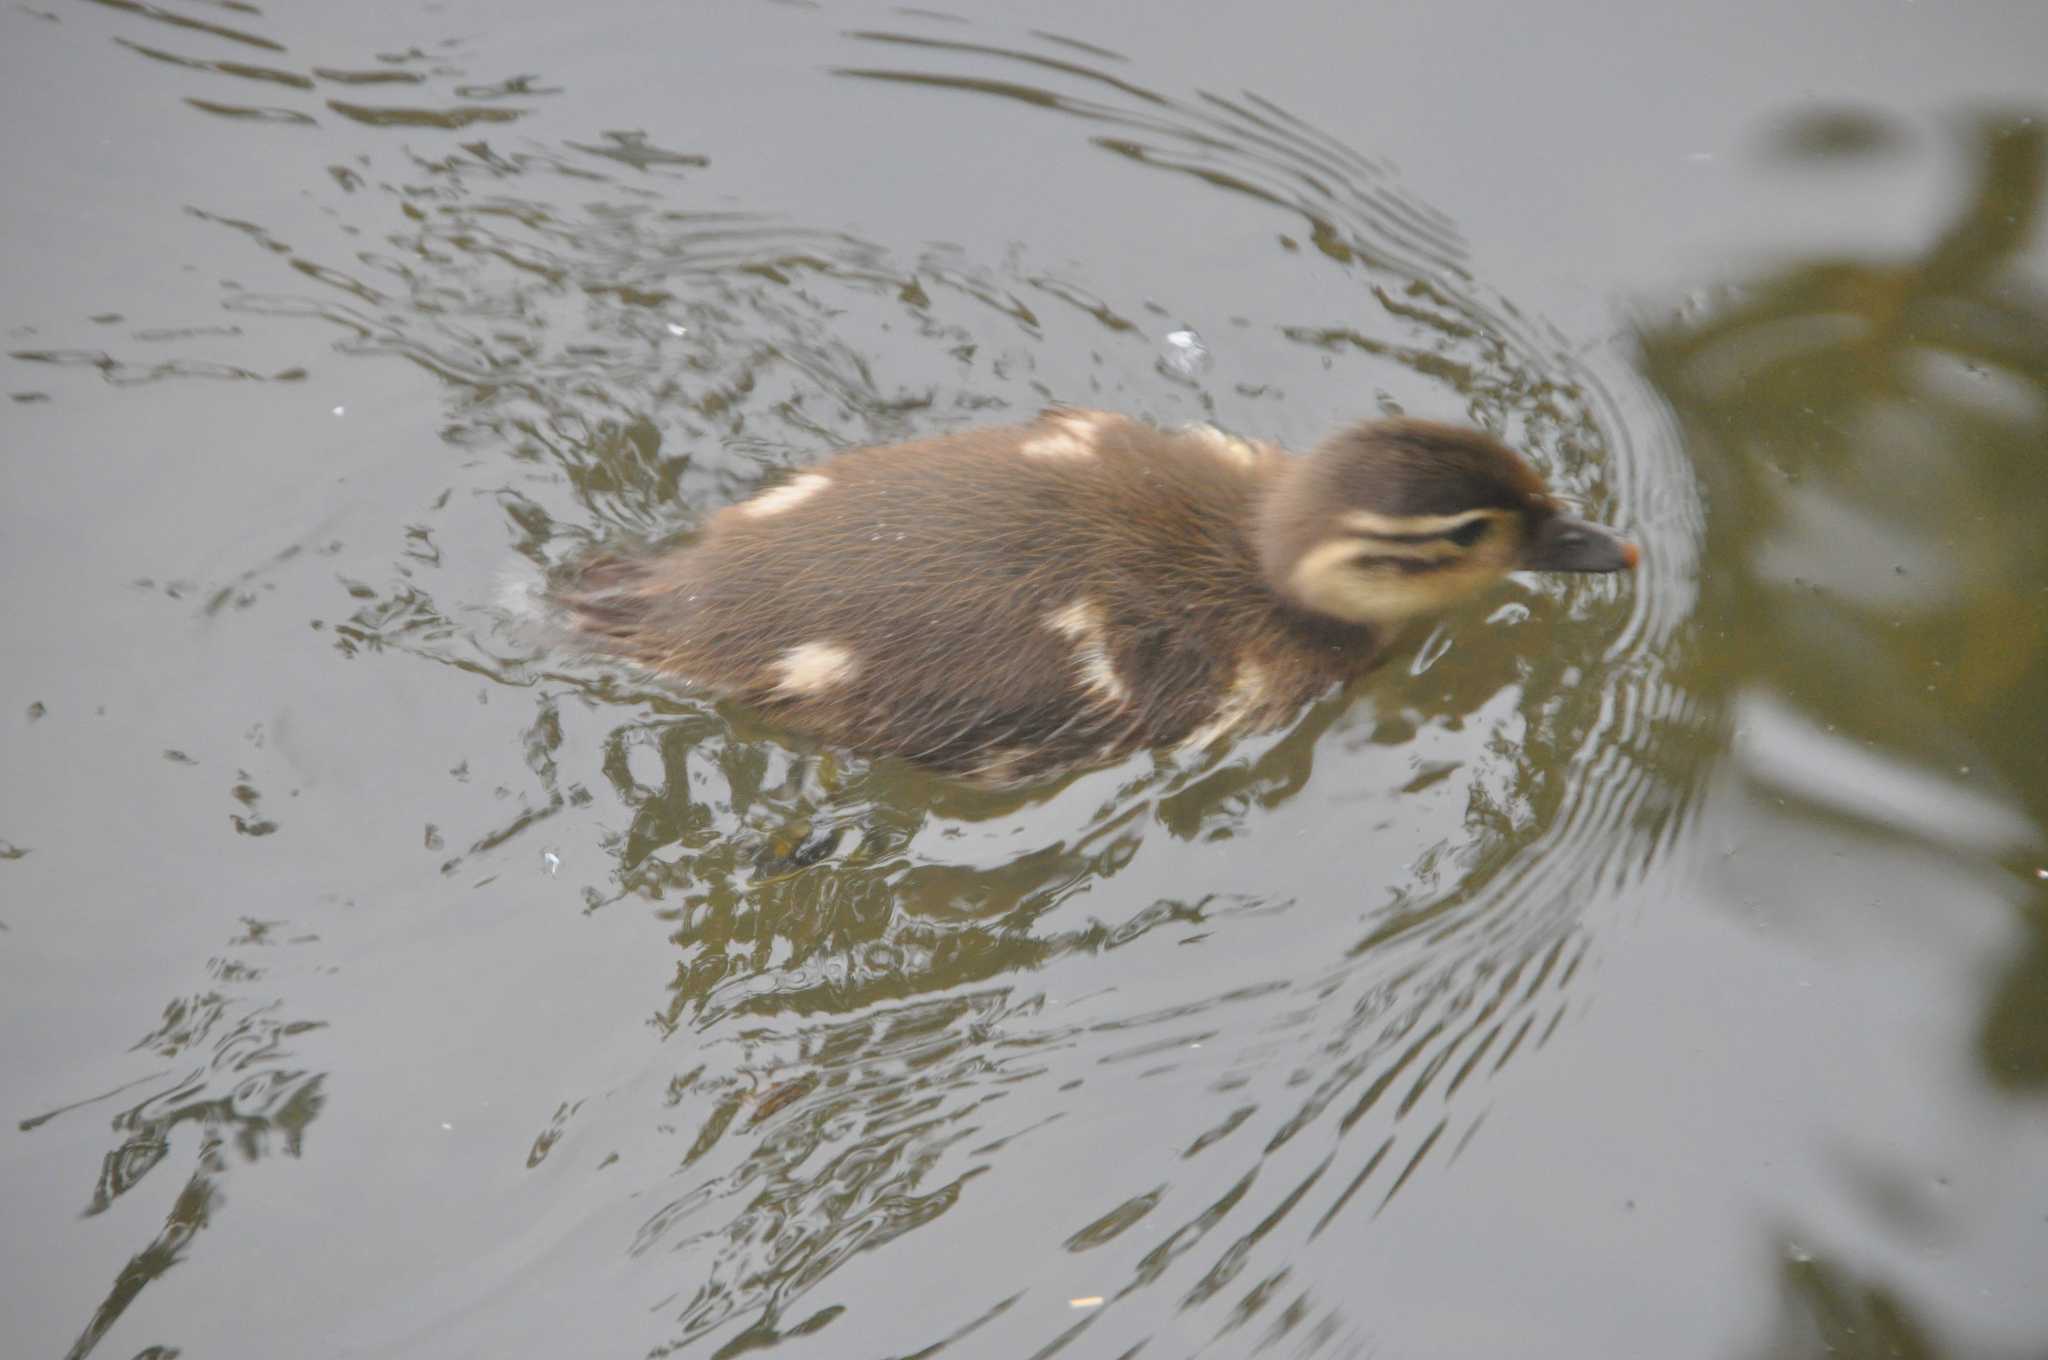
1564 543
1007 604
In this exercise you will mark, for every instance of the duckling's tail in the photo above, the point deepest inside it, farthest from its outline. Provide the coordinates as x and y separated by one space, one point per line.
604 602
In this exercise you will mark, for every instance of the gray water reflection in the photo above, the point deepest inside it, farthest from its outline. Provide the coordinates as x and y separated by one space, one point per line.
892 999
802 885
1898 407
1870 433
913 1068
229 1096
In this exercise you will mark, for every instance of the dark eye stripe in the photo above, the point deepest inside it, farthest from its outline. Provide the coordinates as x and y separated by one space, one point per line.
1406 566
1464 535
1438 536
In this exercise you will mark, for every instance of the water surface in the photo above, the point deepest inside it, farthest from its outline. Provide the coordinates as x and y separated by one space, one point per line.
1630 967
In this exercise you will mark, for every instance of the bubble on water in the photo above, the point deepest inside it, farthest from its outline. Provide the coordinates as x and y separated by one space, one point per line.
1185 354
526 616
520 590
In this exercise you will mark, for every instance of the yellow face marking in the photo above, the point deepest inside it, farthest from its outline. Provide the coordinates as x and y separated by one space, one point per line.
1430 550
812 668
1082 623
1377 525
785 497
1361 581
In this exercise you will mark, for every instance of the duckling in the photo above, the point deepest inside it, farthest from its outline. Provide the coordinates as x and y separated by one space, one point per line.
1008 604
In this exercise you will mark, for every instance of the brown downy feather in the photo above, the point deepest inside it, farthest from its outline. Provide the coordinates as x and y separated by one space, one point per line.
1006 603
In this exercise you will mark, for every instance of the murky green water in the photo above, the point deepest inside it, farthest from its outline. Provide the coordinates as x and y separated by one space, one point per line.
1655 967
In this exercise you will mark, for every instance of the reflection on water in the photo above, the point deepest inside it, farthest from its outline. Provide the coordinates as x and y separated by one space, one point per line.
1896 411
1309 955
1870 432
230 1095
804 886
1824 1310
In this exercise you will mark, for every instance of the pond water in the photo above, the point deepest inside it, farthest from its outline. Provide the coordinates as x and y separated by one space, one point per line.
1640 967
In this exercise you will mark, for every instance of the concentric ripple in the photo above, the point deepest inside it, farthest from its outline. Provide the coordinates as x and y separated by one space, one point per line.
1229 1012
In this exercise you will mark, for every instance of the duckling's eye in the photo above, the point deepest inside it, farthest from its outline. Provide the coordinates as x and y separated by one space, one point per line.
1465 535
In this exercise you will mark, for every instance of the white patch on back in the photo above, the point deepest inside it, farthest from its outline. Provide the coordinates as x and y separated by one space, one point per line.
1228 447
814 667
785 497
1001 767
1082 623
1250 693
1071 439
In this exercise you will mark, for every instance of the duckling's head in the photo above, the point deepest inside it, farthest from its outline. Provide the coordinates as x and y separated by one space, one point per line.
1390 520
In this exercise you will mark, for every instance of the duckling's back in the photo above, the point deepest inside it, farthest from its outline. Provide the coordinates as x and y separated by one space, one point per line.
998 604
